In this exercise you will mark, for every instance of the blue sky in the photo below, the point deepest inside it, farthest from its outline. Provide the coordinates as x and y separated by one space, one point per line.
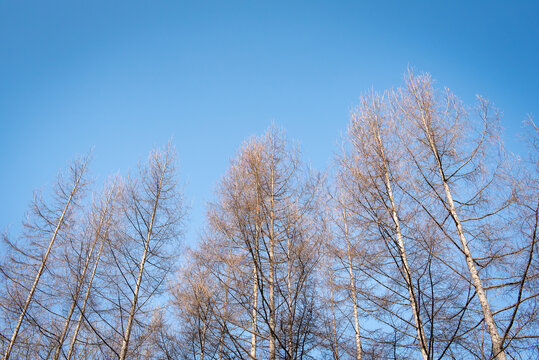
124 77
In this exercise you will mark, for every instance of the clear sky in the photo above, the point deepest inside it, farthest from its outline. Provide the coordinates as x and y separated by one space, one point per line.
124 77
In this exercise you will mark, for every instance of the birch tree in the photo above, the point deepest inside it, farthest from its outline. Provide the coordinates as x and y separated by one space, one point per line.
368 175
403 248
458 160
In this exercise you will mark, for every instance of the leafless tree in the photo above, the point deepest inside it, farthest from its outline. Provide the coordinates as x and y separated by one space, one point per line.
265 220
101 222
425 243
368 176
48 222
153 212
458 162
343 258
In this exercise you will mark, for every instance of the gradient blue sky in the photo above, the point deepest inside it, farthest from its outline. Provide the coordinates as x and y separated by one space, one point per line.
127 76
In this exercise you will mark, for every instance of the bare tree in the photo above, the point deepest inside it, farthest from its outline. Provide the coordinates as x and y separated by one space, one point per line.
49 222
153 213
426 243
194 298
266 214
368 176
102 219
418 105
343 248
458 161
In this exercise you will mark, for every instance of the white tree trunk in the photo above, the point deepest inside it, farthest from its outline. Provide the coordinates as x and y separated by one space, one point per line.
289 300
476 280
353 289
407 275
254 314
271 263
333 320
423 345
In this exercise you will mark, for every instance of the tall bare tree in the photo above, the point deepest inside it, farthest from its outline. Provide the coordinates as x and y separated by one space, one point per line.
153 212
343 249
267 213
426 245
368 176
436 125
463 182
48 222
101 222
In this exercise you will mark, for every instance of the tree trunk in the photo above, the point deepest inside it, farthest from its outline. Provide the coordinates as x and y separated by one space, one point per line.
353 289
333 321
85 301
81 281
134 301
423 345
225 311
290 324
43 263
271 264
476 280
254 314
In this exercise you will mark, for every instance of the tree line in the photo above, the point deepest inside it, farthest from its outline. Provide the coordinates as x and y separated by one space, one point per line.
419 242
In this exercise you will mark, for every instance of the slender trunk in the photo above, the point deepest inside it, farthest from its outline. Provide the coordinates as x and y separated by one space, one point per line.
203 340
407 276
353 288
85 301
423 345
80 282
73 305
497 346
289 299
42 266
271 299
333 320
254 314
254 310
476 280
134 301
225 311
272 271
